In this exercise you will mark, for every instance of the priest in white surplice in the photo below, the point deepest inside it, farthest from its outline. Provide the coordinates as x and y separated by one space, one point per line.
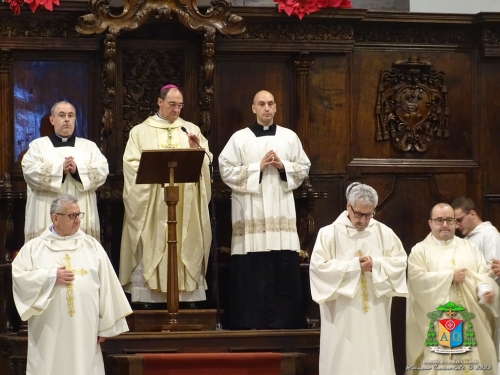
143 259
444 268
358 264
62 163
263 164
65 286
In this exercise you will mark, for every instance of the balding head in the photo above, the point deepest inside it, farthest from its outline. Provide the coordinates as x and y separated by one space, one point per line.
264 107
442 222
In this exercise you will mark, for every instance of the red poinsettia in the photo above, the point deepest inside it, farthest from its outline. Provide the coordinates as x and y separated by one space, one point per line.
303 7
15 5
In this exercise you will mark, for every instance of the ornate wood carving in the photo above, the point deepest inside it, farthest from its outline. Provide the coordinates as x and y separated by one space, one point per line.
439 34
302 31
411 105
38 28
136 12
302 66
306 196
145 72
6 128
108 90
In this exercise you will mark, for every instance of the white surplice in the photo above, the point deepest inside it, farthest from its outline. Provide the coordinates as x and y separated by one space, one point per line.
43 171
354 341
64 322
263 212
431 266
144 238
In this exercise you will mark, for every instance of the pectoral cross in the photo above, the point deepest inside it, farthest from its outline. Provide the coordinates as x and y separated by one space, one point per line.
69 288
364 288
169 143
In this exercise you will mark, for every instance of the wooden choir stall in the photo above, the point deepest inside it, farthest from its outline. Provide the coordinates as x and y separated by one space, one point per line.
336 76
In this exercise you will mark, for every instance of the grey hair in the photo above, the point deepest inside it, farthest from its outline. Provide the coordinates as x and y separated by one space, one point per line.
163 93
58 203
360 192
53 109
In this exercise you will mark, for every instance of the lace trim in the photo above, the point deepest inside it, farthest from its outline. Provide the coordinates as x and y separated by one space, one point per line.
30 236
93 178
269 224
298 174
44 176
241 181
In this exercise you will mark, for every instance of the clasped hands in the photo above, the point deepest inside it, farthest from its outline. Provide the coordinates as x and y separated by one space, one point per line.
366 263
271 159
69 165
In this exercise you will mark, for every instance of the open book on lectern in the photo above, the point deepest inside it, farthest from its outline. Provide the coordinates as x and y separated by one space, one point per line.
154 167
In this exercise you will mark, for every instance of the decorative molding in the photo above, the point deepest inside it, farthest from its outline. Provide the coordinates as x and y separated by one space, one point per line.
296 32
136 12
417 34
411 105
108 91
38 28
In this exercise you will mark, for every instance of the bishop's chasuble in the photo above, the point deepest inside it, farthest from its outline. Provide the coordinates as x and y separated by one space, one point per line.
65 321
43 171
355 307
431 267
144 240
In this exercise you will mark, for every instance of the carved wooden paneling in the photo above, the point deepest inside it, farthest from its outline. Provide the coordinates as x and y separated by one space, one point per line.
329 109
459 67
144 67
491 209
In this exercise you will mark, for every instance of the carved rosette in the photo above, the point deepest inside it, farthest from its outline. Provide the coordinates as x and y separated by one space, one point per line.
411 105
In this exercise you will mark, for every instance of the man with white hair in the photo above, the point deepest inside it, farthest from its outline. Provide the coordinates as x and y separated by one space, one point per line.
66 288
358 264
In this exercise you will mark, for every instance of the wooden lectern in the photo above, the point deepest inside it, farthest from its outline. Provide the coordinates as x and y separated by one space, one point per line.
179 165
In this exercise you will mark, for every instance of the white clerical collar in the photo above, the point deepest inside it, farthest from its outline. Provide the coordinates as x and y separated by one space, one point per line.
265 128
439 242
62 138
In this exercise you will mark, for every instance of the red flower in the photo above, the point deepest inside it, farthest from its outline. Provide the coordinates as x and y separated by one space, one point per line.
15 5
303 7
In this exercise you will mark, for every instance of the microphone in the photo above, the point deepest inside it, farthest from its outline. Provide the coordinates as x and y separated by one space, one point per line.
209 159
185 131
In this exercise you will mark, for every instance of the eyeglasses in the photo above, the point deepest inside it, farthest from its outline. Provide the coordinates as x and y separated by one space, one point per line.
80 215
440 221
459 219
359 215
174 104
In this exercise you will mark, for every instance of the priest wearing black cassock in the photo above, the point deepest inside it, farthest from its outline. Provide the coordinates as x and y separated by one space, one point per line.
263 164
62 163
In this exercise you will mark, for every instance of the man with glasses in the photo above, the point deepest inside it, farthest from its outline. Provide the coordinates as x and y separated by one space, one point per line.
263 164
143 259
482 233
66 288
444 268
358 264
62 163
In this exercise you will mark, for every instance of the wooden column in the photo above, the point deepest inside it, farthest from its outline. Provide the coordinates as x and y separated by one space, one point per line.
6 122
302 65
